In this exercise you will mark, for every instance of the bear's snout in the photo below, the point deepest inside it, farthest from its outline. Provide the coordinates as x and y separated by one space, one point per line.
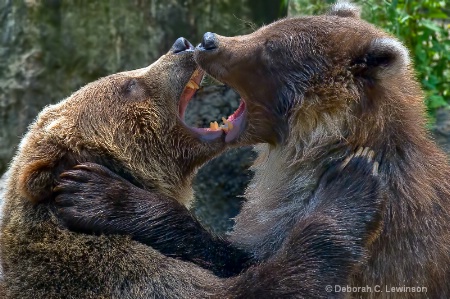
209 41
180 45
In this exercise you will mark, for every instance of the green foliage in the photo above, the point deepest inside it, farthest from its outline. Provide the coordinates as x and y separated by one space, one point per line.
423 25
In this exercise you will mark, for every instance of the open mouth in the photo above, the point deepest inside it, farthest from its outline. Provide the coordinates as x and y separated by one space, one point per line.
231 126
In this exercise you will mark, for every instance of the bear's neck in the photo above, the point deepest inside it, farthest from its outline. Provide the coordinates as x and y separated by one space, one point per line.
285 176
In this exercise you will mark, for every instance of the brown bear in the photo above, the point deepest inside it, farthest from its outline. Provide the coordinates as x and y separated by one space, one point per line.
324 86
315 89
331 84
131 122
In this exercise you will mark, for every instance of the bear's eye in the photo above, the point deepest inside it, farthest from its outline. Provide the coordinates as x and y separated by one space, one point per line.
134 90
130 85
270 46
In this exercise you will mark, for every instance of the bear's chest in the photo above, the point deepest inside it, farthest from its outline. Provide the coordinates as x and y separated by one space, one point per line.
267 218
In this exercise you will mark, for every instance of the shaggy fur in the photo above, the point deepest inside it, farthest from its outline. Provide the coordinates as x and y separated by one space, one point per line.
334 83
323 247
129 123
317 88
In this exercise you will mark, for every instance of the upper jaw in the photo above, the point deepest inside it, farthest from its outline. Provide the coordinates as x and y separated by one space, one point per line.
191 87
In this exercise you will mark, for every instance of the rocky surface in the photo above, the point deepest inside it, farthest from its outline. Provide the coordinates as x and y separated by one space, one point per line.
441 130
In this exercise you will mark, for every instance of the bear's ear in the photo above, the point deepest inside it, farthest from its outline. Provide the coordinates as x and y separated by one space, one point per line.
383 57
345 9
35 180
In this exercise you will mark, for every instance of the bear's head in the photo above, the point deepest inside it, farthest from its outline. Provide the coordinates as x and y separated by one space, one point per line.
331 77
131 122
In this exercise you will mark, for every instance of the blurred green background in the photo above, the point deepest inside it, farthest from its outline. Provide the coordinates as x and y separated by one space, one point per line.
422 25
50 48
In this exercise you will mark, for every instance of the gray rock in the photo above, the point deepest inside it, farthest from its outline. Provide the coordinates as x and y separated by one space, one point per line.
441 129
2 191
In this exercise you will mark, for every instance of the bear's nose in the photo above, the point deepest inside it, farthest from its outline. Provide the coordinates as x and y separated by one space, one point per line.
209 41
180 45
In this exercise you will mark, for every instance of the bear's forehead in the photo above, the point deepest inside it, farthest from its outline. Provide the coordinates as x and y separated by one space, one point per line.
333 36
317 26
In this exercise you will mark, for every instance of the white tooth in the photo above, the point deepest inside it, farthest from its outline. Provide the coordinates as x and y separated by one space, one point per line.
190 85
227 125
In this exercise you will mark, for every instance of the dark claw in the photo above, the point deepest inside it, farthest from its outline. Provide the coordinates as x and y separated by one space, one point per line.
96 169
74 176
66 186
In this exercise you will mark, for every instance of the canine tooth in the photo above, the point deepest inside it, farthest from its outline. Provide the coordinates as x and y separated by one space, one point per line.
192 85
227 125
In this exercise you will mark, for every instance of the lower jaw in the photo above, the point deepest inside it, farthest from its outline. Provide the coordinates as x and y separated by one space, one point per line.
228 132
236 121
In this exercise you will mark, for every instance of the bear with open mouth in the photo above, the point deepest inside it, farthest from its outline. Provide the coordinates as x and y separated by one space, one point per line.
318 92
131 123
316 88
123 136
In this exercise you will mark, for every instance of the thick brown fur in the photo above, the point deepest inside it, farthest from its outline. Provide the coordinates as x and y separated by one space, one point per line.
317 88
128 122
322 86
322 247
